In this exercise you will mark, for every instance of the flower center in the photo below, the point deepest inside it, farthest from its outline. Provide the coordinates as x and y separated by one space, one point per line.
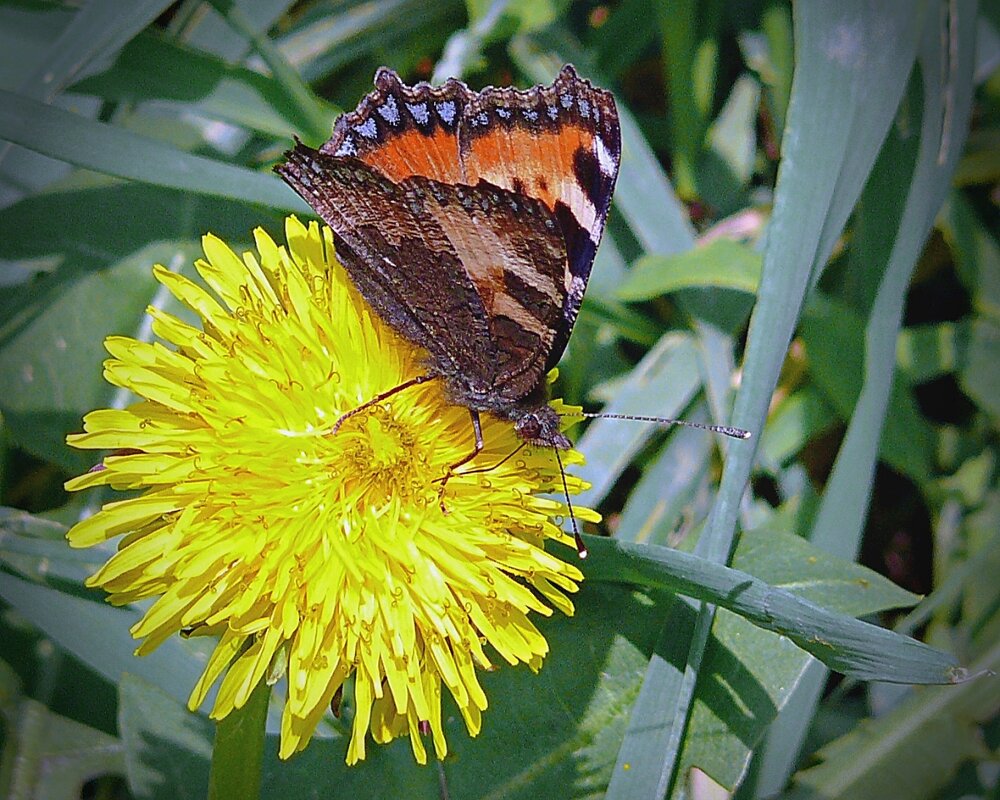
382 459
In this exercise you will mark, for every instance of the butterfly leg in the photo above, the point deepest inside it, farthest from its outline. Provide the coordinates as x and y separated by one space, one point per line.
379 398
477 447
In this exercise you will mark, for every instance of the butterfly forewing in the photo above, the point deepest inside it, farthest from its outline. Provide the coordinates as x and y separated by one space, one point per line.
470 221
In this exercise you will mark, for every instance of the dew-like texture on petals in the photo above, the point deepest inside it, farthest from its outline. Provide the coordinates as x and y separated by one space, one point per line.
323 554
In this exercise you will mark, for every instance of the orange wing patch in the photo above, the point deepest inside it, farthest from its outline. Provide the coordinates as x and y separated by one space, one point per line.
403 130
559 144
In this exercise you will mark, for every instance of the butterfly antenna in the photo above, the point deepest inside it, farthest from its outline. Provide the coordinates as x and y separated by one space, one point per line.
581 548
725 430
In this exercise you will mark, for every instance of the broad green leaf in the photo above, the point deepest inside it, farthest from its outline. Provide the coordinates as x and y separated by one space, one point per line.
748 673
167 748
793 563
115 151
912 751
722 263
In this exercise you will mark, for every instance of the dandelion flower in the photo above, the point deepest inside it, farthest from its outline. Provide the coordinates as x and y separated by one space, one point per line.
315 554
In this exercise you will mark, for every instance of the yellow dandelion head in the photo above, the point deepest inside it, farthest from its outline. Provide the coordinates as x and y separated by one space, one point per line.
332 554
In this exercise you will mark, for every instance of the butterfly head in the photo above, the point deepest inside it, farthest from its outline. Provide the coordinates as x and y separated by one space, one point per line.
540 426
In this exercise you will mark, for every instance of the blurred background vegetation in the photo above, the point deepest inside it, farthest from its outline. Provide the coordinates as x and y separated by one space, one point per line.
852 212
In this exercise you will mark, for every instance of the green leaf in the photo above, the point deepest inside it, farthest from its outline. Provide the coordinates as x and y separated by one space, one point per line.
793 563
924 352
672 491
729 161
52 363
979 376
831 141
912 751
722 263
842 643
669 373
326 40
759 669
97 29
36 548
167 748
835 340
152 67
98 635
52 756
116 151
796 420
299 97
691 62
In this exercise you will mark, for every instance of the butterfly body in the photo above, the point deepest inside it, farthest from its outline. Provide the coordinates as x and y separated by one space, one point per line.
469 221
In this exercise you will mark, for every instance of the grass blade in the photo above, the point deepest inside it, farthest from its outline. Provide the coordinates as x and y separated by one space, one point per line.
115 151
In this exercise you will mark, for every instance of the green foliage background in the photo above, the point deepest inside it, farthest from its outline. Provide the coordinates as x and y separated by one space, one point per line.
803 243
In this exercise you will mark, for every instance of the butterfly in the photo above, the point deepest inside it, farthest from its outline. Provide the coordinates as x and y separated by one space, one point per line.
469 222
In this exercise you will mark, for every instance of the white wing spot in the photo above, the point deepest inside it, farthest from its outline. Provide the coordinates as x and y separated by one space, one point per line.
347 148
368 129
503 113
389 111
584 107
552 111
530 114
605 160
420 112
566 100
446 110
